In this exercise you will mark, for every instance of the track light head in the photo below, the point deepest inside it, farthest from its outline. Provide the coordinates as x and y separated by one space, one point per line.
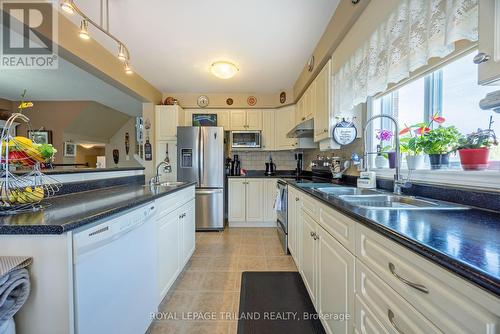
84 30
121 53
127 68
67 6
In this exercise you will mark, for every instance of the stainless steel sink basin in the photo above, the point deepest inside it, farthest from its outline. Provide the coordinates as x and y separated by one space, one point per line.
338 191
314 185
395 202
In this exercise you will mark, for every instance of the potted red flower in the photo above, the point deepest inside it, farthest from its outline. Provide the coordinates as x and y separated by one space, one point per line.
474 149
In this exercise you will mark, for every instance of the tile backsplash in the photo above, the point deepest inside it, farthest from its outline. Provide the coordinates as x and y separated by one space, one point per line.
256 160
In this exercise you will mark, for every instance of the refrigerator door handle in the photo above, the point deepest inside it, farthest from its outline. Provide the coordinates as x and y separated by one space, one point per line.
201 167
208 191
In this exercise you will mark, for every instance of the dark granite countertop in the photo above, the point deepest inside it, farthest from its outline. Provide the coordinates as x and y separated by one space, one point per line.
466 242
68 212
82 170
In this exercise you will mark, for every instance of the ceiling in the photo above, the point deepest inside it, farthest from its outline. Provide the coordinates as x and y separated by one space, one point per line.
173 43
67 83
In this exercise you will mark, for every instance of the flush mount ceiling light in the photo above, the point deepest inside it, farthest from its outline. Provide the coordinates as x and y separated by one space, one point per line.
224 69
70 7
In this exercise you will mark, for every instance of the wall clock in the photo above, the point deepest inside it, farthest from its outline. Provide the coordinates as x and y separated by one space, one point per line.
282 97
229 101
203 101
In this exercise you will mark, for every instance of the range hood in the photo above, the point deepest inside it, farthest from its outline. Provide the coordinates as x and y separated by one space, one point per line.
302 130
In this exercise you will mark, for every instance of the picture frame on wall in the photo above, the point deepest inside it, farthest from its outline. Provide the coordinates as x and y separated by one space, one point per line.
40 136
69 149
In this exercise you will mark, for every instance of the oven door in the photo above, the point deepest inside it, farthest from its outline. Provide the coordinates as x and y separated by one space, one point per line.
245 139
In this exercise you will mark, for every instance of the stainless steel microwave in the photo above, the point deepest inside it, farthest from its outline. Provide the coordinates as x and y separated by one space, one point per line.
246 139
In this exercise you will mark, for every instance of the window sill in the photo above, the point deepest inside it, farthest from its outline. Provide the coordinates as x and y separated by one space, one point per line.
489 179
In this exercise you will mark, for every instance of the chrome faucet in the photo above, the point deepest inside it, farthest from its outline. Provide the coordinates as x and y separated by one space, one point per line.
399 182
168 168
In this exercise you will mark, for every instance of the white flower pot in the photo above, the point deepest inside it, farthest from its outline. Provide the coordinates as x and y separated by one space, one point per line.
381 162
415 161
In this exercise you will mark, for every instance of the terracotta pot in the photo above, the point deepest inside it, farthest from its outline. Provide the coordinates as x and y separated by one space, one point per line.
474 158
415 162
439 161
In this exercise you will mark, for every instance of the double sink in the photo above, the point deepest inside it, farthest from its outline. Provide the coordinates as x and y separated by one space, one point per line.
379 200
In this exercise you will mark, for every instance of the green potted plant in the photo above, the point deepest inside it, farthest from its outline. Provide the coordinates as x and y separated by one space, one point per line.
411 142
438 143
474 149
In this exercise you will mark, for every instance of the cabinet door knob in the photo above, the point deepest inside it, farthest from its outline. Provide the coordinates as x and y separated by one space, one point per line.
325 130
303 118
297 199
312 234
481 57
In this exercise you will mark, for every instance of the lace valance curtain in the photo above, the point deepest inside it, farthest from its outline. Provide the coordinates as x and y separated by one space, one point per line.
414 32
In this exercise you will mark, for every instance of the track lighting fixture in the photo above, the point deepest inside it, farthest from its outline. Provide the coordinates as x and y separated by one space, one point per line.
128 69
121 52
67 6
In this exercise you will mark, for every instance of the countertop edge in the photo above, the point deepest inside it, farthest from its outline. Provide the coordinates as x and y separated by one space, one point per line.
469 273
72 225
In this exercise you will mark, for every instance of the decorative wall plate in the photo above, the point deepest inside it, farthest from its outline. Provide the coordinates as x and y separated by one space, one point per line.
282 97
252 100
229 101
344 133
203 101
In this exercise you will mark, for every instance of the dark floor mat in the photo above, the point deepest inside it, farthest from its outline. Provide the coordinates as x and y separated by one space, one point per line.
276 303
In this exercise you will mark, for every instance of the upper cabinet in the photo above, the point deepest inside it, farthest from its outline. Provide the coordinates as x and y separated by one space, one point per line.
488 57
167 118
285 121
246 119
268 129
322 126
306 104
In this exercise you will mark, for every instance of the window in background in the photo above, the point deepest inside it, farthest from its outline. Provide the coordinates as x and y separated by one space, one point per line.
451 92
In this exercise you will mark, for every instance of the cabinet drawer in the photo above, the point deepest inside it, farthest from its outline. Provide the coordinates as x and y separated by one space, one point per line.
366 322
168 203
310 206
339 226
452 304
386 306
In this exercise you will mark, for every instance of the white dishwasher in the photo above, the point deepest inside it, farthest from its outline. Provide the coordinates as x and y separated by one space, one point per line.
115 274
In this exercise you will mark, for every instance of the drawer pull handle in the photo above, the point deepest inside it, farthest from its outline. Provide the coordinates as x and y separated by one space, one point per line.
390 315
416 286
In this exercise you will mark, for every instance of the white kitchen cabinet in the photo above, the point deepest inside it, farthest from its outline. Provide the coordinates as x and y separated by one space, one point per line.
167 118
335 282
187 222
285 121
169 246
268 129
299 110
254 200
250 119
237 199
489 41
223 119
322 126
270 188
310 103
293 210
238 120
251 202
161 152
366 321
175 221
309 256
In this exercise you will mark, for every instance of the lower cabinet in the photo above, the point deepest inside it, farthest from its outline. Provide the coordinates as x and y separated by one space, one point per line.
251 201
327 269
176 240
378 285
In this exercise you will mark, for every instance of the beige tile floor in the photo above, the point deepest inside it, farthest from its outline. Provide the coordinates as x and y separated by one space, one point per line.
210 284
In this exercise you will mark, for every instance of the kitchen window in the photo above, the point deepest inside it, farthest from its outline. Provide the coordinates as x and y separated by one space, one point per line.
451 92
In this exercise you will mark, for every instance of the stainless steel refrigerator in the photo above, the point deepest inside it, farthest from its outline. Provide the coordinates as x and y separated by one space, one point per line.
200 158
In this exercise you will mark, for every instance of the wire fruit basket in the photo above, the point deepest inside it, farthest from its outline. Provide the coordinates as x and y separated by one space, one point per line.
23 192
